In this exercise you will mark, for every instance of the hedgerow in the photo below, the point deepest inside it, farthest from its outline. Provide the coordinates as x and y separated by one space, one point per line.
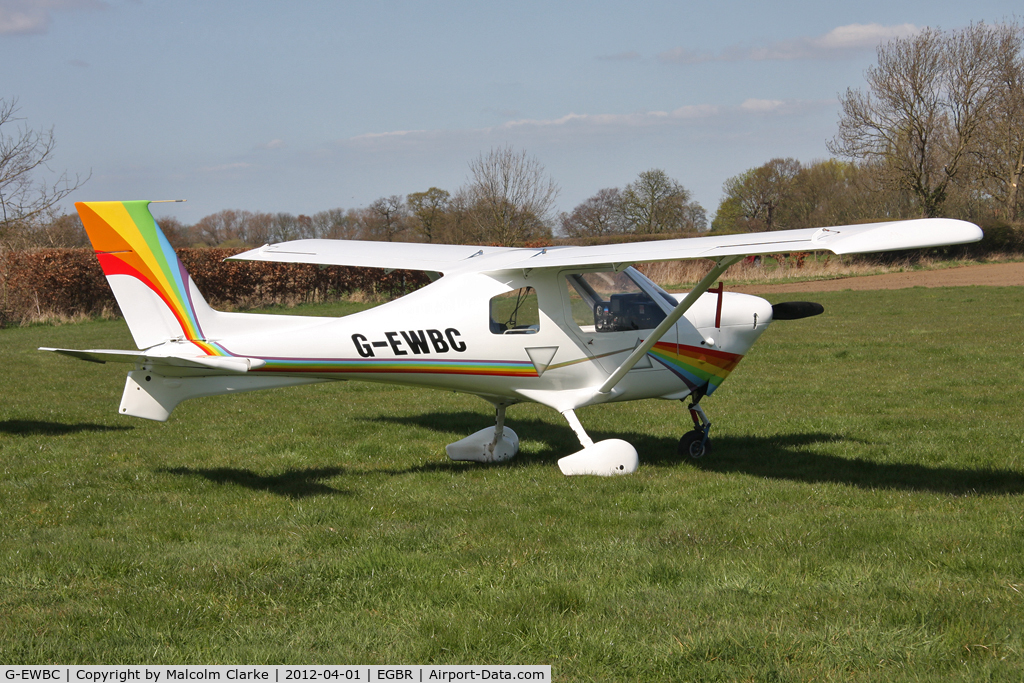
69 282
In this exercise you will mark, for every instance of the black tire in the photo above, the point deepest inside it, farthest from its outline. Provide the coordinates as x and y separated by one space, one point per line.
690 445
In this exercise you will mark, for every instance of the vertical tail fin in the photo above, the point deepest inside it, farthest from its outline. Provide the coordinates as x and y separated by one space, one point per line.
157 296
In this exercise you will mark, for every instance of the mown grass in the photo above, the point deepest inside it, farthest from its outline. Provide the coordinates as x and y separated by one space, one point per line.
859 519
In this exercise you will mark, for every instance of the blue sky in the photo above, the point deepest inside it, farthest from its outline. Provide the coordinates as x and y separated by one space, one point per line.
304 106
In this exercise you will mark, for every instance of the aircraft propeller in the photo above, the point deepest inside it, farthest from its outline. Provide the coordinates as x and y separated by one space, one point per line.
795 310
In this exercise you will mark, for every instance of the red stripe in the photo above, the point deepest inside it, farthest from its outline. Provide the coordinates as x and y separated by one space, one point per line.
113 265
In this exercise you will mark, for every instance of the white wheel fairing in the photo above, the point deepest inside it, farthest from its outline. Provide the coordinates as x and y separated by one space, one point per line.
477 447
604 459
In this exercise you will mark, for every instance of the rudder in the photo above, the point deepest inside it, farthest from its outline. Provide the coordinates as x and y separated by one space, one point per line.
157 296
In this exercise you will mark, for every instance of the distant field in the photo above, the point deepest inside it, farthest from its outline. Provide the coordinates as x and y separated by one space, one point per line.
860 519
1008 274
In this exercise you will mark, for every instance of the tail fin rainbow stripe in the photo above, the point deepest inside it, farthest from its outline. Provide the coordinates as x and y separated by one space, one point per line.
140 264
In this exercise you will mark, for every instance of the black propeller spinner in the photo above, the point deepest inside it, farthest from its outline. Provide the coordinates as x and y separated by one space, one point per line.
794 310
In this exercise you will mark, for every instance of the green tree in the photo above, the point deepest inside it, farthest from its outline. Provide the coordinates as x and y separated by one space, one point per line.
429 210
729 216
757 195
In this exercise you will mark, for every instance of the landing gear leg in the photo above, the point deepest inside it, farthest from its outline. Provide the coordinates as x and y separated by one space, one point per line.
604 458
496 444
577 428
499 427
695 444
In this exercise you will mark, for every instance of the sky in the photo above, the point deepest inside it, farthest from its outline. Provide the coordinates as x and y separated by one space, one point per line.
305 106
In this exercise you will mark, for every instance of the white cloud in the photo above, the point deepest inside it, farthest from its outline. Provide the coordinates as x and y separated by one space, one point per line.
33 16
629 120
630 56
223 168
695 111
754 105
584 123
389 134
501 113
16 20
837 43
682 55
862 36
577 122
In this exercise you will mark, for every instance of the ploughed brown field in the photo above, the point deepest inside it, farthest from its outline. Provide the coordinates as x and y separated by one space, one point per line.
989 274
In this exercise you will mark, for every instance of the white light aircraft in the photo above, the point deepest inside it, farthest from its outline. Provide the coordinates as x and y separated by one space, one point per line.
565 327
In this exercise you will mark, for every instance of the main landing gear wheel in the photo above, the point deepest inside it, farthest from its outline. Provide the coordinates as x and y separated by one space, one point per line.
693 445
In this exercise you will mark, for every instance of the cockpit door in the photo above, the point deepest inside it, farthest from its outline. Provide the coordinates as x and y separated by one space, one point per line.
611 313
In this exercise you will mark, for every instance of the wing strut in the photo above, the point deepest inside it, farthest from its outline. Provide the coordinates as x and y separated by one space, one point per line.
639 352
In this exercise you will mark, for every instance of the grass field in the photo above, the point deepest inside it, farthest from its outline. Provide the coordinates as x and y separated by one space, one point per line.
860 519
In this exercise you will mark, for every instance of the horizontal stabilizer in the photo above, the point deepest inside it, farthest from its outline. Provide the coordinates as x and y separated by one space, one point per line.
220 364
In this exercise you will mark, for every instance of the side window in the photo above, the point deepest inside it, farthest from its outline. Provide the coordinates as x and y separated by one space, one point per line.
611 302
515 312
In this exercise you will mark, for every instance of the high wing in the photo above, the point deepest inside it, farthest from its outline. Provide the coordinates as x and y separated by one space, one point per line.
444 258
725 250
390 255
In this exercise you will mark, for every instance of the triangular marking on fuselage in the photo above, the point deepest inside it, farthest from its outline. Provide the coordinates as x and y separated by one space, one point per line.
541 357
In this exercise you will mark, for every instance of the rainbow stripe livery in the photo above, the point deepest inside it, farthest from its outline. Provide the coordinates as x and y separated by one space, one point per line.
398 366
132 249
696 366
210 348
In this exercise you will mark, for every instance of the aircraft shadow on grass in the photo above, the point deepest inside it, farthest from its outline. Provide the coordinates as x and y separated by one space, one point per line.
41 428
294 484
791 457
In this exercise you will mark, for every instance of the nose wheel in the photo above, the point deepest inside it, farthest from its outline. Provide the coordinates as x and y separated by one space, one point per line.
695 443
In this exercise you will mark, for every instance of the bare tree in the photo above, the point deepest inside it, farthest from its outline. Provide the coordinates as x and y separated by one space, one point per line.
928 100
177 233
60 231
461 225
999 155
285 227
655 203
259 228
695 217
24 154
386 218
223 226
336 224
512 196
596 216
